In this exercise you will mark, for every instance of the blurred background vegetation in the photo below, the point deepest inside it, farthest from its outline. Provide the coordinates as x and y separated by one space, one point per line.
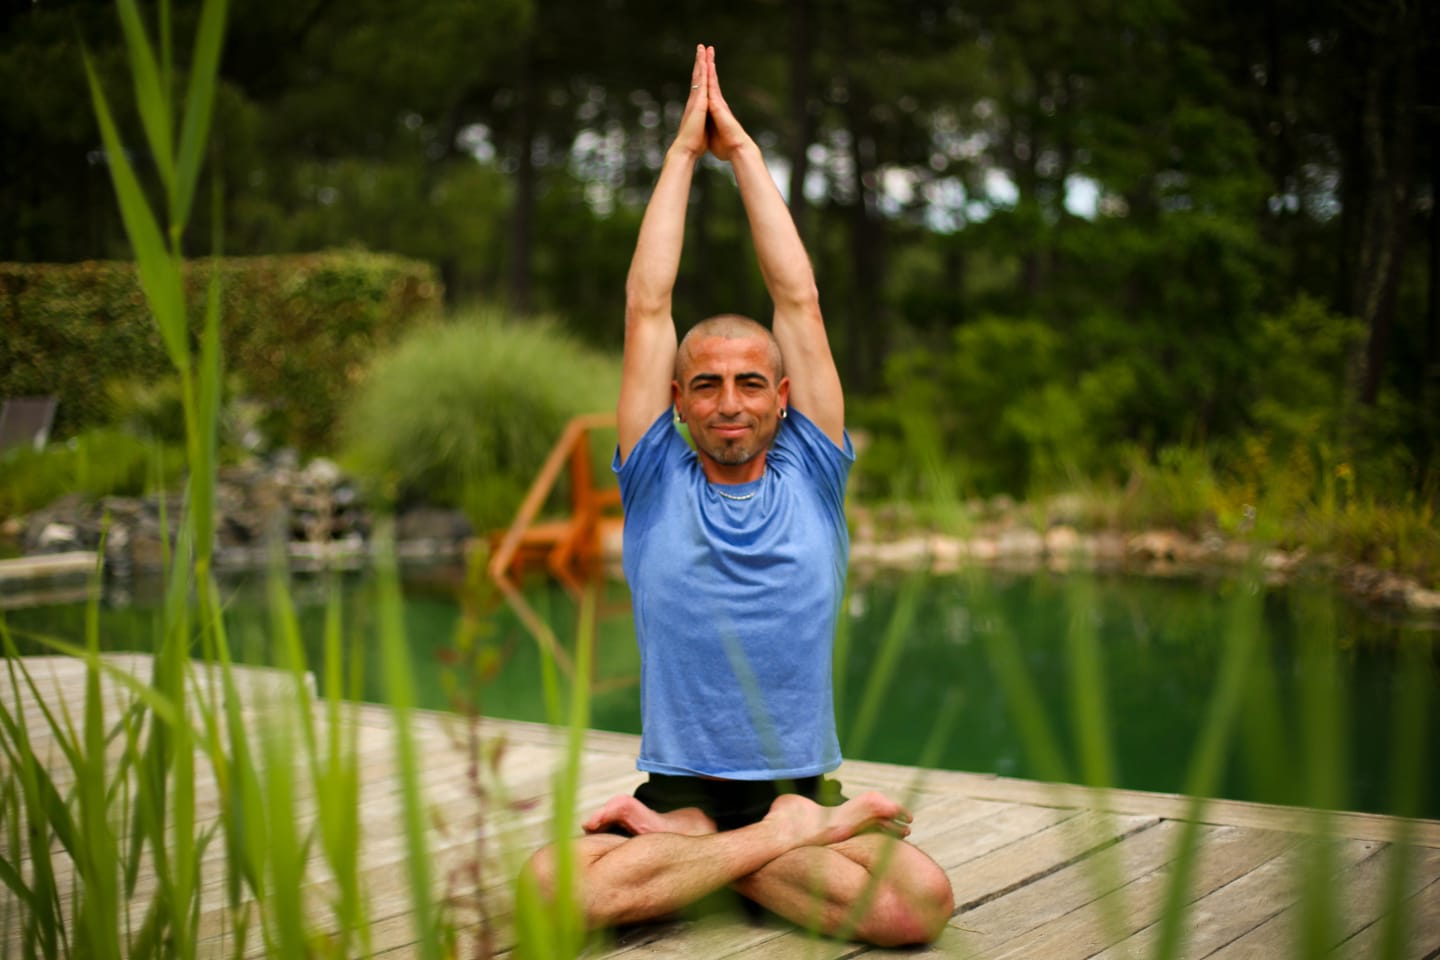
1180 255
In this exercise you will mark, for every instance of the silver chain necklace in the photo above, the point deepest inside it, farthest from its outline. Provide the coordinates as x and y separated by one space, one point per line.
731 496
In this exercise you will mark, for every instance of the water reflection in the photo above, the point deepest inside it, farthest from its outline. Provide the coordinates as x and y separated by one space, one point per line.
1158 645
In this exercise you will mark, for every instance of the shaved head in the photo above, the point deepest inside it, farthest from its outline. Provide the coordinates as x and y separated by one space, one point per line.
728 326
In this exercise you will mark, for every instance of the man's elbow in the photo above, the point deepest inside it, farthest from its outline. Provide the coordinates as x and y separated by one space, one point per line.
797 292
644 303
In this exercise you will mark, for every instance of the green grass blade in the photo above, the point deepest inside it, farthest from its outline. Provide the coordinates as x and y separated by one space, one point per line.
152 95
98 857
1409 751
1027 709
844 632
199 105
338 790
1087 685
159 274
400 692
1322 709
203 457
1237 666
897 631
284 850
43 929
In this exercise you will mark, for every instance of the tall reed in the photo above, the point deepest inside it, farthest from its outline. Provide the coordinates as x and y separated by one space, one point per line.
109 856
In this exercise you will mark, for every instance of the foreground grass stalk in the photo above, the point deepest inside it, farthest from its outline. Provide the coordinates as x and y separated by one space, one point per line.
1208 761
1409 747
1323 745
400 691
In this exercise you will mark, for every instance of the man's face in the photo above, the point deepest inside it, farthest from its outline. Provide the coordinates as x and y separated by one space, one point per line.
729 397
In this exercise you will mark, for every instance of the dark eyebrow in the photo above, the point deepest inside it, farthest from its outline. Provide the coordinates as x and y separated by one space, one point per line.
748 377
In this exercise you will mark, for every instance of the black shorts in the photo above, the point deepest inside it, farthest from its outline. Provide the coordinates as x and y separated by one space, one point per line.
732 804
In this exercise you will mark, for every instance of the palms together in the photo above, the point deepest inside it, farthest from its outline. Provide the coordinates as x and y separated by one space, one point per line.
707 123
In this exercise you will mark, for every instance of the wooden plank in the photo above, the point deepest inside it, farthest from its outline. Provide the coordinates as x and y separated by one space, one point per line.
1227 911
1027 857
1420 939
75 563
996 923
1356 892
1226 853
1237 813
1019 854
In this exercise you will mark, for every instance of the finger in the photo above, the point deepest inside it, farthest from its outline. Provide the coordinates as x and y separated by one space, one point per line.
697 73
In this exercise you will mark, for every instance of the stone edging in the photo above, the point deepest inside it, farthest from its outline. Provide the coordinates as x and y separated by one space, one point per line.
1152 552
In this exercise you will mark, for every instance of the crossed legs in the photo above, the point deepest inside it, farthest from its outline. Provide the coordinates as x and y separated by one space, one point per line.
844 870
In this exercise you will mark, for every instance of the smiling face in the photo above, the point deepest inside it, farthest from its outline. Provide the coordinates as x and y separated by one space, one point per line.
730 394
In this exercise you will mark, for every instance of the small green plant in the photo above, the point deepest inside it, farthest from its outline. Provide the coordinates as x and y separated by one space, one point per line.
98 463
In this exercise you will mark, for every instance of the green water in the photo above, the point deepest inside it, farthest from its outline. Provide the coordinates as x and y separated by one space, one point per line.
1159 641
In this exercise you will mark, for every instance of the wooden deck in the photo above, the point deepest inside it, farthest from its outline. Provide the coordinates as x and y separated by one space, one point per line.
1039 870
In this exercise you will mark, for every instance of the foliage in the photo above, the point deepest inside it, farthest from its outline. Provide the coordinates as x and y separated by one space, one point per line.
465 412
97 463
298 331
1002 409
1169 201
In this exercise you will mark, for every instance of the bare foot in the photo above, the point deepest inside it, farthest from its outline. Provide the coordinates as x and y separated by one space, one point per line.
814 825
625 811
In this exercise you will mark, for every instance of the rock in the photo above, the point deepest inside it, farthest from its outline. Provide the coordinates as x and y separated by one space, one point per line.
58 538
983 549
320 472
1158 545
947 554
431 523
1020 542
1420 600
1109 548
1063 541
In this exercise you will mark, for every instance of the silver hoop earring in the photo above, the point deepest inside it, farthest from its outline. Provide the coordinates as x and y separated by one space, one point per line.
784 412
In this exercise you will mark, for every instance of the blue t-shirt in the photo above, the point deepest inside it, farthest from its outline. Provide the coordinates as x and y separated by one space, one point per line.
736 589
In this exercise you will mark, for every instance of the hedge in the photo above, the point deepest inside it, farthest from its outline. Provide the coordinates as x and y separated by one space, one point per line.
297 330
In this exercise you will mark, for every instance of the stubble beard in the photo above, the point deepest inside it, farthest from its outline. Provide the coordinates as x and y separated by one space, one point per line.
733 453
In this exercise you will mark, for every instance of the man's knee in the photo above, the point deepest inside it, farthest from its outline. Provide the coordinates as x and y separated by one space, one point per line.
539 871
914 910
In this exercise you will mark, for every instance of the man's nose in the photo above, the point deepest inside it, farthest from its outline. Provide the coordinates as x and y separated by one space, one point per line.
729 399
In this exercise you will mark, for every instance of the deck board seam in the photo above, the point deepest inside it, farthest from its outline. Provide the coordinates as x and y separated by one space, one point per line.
1054 868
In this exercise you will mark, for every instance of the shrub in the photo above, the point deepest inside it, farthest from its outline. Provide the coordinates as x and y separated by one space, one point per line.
464 413
298 331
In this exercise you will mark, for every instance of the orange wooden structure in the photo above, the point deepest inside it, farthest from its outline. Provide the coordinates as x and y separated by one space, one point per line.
570 548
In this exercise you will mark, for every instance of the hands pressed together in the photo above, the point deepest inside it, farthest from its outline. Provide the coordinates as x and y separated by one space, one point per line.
707 123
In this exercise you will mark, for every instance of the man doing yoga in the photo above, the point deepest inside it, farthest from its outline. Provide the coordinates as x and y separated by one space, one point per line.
736 555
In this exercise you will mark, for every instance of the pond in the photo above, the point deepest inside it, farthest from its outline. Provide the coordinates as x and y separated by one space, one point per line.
929 669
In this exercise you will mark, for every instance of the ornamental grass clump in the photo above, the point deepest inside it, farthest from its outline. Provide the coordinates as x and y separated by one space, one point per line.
464 412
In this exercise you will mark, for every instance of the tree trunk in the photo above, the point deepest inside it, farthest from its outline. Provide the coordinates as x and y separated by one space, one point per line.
867 237
801 124
522 214
1430 384
1388 141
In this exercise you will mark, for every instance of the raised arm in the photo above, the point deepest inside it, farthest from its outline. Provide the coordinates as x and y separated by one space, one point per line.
650 341
799 327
